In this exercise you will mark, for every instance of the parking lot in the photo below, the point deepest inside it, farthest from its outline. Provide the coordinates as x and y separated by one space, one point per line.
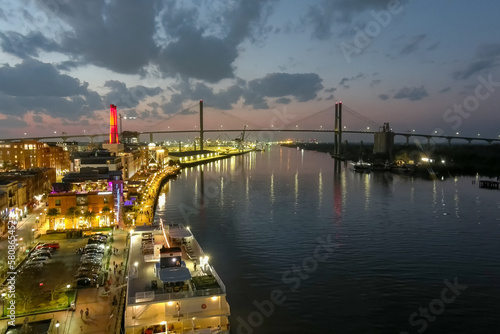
50 283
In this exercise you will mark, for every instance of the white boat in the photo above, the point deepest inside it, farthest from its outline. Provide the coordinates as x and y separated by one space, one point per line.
362 167
172 287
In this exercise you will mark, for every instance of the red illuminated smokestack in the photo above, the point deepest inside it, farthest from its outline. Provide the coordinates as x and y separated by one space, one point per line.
113 125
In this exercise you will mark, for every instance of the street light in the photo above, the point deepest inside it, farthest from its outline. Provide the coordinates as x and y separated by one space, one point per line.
57 326
3 303
68 293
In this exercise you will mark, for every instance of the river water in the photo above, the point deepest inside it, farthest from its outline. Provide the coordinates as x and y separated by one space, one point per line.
302 249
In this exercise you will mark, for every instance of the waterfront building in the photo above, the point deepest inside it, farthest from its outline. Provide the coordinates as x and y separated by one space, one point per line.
29 153
186 156
383 140
82 203
99 179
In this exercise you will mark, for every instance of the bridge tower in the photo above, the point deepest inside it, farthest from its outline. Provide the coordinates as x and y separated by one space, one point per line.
338 129
201 125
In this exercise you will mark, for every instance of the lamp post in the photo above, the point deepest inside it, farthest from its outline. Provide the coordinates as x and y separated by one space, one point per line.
57 326
68 293
3 303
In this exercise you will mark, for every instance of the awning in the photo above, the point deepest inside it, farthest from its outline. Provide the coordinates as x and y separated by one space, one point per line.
174 274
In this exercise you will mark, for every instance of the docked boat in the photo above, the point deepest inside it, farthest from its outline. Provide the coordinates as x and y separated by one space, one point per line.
362 167
172 287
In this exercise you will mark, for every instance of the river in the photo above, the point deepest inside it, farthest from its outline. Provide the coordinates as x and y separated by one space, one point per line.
303 250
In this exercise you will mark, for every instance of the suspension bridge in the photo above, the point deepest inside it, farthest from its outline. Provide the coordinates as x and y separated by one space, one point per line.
323 121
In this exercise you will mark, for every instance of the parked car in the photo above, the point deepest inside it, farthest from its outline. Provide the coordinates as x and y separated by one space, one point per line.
100 235
52 245
85 281
38 259
44 248
89 268
91 257
94 246
89 274
90 262
94 250
95 241
41 253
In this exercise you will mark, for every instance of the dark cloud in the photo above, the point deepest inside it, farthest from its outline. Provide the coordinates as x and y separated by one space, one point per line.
344 82
375 82
413 44
304 87
412 94
383 97
444 90
34 78
124 97
330 97
196 56
39 87
37 119
12 122
284 100
487 57
283 86
167 34
326 13
330 90
104 31
26 46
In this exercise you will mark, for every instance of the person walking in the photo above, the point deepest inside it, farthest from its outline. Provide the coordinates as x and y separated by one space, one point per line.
81 313
87 312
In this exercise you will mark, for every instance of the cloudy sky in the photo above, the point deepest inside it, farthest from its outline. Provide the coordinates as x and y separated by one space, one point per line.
424 65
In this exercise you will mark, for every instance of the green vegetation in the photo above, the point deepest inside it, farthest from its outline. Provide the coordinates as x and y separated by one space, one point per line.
447 160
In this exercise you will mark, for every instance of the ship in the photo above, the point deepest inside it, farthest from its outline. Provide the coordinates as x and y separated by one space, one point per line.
172 287
362 167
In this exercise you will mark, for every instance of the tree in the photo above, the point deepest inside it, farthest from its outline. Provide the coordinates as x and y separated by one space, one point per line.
59 284
25 291
52 213
71 213
105 211
89 217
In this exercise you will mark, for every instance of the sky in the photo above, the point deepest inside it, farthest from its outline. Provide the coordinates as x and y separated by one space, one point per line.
429 66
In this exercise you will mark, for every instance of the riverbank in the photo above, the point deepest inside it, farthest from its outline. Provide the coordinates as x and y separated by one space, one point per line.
201 161
438 160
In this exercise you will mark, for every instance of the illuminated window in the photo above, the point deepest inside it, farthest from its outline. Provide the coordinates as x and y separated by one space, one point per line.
58 202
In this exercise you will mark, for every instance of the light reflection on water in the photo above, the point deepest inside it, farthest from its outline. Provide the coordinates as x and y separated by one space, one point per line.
396 240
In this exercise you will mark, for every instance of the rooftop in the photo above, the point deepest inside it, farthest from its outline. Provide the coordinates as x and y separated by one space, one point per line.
180 277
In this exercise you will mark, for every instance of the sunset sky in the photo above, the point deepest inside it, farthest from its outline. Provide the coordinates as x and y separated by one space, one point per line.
421 65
